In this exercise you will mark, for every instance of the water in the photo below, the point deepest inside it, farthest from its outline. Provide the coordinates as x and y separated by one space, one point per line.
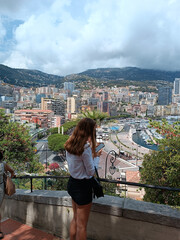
137 139
114 128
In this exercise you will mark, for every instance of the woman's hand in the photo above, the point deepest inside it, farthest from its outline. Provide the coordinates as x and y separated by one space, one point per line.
98 154
13 174
7 168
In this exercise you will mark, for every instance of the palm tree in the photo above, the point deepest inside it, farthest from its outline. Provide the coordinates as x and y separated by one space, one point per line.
95 115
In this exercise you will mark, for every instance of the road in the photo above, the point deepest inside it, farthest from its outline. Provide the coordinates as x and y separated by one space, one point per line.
46 155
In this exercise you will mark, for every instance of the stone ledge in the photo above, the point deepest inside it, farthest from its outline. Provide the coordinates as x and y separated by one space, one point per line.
59 198
151 212
115 206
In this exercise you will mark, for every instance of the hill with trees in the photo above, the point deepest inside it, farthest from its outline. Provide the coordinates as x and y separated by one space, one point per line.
95 77
131 73
28 78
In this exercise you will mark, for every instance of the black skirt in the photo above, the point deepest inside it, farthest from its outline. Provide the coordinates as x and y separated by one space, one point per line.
80 190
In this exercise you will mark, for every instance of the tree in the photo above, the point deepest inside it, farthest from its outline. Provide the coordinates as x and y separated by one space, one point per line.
162 167
67 126
56 142
4 119
60 184
95 115
35 166
17 146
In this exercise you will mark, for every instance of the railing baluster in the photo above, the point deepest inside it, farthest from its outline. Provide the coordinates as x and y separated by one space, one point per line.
31 184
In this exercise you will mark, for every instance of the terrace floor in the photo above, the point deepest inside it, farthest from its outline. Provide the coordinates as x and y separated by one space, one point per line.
14 230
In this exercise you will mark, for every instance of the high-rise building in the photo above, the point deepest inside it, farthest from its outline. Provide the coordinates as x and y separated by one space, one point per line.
45 102
164 95
103 106
73 105
69 86
56 105
105 96
177 86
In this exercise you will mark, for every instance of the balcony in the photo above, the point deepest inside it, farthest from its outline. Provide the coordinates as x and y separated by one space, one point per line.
111 217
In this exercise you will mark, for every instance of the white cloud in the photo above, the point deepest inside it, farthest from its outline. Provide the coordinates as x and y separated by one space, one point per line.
61 37
2 31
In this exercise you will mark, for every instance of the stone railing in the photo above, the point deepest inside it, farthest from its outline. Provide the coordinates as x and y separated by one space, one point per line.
111 218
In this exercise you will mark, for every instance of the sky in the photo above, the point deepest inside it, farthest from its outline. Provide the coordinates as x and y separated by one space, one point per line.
70 36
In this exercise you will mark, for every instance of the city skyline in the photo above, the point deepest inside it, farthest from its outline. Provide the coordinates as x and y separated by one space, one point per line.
72 36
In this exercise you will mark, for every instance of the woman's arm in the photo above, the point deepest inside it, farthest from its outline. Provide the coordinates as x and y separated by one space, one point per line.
89 163
9 169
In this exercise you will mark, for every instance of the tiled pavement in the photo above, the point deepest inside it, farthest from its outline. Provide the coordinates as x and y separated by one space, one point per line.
14 230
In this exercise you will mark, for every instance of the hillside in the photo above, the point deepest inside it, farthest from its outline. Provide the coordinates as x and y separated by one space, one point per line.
28 78
107 76
131 73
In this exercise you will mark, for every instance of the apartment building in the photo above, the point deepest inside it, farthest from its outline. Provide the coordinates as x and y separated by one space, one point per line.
73 105
37 116
56 105
57 121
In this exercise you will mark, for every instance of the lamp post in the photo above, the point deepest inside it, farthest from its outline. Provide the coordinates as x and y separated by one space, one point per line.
137 155
112 168
46 157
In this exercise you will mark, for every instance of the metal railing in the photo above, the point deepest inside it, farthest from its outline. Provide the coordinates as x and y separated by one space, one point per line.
102 180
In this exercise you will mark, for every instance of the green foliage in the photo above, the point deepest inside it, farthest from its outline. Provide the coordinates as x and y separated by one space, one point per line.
38 184
109 188
28 78
59 184
69 125
17 146
95 115
35 166
4 119
167 130
162 167
56 142
66 126
125 115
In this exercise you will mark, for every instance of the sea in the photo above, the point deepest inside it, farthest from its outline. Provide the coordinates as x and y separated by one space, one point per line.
137 139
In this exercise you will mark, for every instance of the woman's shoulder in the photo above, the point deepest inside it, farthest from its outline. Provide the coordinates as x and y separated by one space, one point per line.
87 145
87 148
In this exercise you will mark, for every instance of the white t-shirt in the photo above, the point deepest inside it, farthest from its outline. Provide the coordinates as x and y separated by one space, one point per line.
82 166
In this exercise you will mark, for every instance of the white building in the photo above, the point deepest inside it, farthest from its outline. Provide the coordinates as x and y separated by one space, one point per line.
177 86
73 105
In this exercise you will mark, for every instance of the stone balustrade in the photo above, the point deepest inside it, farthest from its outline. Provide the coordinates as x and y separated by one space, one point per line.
111 218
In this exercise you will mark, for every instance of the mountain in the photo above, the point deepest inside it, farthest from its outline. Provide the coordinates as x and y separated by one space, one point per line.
35 78
28 78
131 73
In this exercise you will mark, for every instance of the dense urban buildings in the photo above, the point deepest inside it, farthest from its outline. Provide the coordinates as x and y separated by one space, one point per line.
69 86
33 104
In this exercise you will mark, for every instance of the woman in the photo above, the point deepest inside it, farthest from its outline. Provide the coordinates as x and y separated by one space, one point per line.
3 167
81 159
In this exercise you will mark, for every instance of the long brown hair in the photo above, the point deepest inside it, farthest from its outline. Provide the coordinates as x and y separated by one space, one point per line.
84 129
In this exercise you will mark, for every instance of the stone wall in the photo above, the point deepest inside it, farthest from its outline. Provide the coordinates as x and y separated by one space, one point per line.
111 218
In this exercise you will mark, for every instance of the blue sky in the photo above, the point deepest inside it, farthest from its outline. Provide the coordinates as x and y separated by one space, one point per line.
70 36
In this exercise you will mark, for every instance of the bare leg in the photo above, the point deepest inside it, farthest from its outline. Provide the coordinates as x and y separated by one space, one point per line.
82 220
1 234
73 222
